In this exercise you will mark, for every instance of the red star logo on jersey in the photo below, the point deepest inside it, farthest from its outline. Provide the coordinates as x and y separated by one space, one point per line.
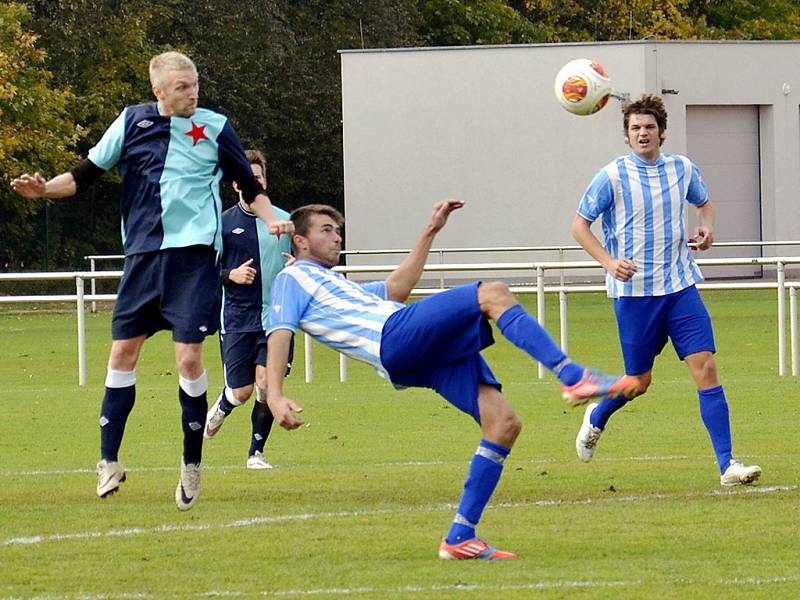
197 133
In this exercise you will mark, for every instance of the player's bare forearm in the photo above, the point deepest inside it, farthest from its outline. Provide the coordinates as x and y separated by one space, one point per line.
402 280
35 186
620 269
582 232
262 206
704 233
283 409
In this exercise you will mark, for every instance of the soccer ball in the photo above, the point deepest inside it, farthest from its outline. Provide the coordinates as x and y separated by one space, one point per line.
582 86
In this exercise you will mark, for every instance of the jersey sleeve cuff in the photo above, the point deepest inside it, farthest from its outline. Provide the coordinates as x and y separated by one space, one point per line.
287 326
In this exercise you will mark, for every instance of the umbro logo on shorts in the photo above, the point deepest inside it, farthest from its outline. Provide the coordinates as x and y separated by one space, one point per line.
144 124
203 328
237 231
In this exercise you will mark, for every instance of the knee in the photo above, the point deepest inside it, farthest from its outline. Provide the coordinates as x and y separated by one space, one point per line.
494 298
123 357
190 364
505 428
494 291
705 373
642 383
243 394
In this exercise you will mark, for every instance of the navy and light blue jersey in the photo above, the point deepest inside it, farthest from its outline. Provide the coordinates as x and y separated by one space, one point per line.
171 169
244 236
642 205
342 314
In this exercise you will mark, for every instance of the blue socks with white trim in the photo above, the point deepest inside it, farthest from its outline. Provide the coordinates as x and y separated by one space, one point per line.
714 412
525 332
484 473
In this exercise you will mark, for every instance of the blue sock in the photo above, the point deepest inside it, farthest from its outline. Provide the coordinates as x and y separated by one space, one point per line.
117 405
484 473
714 412
194 405
603 411
522 330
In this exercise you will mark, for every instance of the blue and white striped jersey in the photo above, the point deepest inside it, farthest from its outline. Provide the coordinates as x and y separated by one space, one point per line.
642 205
244 236
171 168
342 314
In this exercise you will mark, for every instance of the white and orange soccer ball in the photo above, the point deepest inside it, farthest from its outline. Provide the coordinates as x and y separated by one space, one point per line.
582 86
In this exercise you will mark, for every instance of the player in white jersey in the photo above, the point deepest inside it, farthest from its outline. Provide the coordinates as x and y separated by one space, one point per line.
651 275
433 343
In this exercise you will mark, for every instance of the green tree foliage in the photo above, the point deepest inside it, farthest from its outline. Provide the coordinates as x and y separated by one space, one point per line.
99 49
273 67
37 132
474 22
746 19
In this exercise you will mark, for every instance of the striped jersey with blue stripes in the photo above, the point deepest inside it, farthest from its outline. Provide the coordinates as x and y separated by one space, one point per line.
642 205
342 314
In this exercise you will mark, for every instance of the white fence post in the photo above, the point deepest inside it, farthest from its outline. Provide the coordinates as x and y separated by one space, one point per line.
540 306
563 321
94 285
793 325
307 359
79 288
781 319
342 368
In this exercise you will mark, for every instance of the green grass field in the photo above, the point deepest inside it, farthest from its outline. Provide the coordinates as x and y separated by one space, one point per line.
360 497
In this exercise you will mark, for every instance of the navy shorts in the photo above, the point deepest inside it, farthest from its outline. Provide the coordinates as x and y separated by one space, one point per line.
174 288
645 324
241 352
436 342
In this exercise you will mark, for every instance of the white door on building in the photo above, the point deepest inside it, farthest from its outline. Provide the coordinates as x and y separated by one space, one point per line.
724 143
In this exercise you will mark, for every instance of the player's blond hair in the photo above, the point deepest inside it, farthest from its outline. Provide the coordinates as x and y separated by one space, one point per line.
168 61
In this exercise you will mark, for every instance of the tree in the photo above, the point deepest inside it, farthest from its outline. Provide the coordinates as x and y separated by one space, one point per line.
37 132
100 50
746 19
474 22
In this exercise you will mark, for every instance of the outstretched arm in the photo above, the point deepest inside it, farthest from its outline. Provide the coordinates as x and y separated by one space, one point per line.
262 206
35 186
403 279
621 269
283 408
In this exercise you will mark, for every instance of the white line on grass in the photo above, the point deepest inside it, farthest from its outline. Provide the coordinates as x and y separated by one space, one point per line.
427 589
412 463
256 521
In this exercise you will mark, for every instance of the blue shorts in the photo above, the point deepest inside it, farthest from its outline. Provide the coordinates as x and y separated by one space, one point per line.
645 323
241 352
436 342
174 288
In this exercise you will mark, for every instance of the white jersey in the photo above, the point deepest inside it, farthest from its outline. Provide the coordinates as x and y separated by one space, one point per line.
342 314
642 205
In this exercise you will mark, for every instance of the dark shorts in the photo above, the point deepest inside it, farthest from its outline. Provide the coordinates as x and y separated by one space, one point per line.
174 288
436 343
645 324
241 352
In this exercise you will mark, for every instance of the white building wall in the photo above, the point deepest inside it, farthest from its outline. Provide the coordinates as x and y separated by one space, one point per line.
481 124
